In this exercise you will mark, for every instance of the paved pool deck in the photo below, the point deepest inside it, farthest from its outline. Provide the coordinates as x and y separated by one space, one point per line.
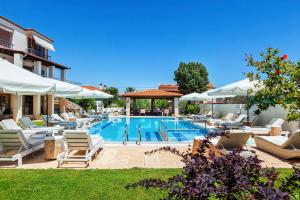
116 156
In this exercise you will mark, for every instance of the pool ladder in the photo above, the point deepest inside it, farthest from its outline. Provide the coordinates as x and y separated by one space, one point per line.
139 136
125 135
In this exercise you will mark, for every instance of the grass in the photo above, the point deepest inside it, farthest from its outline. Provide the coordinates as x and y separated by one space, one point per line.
81 184
78 184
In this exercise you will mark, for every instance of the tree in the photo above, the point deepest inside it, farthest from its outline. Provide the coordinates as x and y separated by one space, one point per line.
86 104
280 78
113 91
161 103
191 77
129 89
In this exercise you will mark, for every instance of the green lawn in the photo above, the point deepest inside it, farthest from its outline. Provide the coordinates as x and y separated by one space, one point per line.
77 184
80 184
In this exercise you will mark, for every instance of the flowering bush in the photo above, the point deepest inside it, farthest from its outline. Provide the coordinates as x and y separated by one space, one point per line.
228 176
281 80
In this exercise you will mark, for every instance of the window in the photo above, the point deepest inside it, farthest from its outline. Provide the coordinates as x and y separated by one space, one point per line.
5 104
27 105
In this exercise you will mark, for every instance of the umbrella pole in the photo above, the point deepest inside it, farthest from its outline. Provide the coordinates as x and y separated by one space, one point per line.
47 110
248 109
212 108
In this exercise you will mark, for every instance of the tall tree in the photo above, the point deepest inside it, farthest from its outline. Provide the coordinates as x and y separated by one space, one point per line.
129 89
113 91
280 78
191 77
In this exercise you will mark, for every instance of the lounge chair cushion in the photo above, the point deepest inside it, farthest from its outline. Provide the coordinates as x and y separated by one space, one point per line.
27 123
277 140
35 141
95 140
10 124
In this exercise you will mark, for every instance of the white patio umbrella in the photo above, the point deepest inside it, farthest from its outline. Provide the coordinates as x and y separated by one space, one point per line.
64 89
90 94
204 97
16 80
239 88
191 97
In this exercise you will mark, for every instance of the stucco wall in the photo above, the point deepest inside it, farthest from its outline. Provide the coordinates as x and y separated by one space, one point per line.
19 39
263 118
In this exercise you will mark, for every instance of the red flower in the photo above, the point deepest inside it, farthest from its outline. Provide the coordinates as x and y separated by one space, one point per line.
277 72
284 57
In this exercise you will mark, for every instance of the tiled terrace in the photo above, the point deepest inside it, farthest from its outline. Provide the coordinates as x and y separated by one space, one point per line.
115 156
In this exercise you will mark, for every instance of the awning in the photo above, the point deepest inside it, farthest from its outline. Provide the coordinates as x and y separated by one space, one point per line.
43 43
6 29
64 89
16 80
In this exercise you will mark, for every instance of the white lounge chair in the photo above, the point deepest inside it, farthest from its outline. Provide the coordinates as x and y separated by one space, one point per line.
275 122
77 140
235 124
63 122
26 123
86 120
10 124
226 118
283 147
234 139
15 145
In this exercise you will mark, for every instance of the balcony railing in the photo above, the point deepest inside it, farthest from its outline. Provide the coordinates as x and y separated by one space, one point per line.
68 81
5 43
39 53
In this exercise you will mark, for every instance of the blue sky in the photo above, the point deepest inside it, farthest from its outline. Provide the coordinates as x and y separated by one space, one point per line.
140 43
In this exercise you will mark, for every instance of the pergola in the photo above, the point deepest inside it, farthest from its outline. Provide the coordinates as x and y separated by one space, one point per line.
153 94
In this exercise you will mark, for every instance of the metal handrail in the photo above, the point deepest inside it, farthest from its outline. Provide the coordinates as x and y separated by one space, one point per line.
125 135
139 135
163 130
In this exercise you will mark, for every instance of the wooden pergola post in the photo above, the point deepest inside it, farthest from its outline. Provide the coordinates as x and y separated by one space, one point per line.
127 106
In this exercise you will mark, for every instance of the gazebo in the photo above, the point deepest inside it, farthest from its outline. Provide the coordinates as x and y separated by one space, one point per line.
153 94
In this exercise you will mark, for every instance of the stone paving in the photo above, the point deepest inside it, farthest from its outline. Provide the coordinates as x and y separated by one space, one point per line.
115 156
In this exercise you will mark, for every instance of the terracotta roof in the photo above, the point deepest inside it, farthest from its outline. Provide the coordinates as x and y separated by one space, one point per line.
169 87
210 86
91 87
152 93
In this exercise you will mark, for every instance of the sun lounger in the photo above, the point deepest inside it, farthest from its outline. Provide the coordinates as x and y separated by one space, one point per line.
64 123
80 140
10 124
48 120
79 121
26 123
227 117
235 124
275 122
15 145
234 139
283 147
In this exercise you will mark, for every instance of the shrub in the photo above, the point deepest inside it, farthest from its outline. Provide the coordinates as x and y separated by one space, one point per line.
230 176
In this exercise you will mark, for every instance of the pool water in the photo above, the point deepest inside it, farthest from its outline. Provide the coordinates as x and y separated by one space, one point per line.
177 130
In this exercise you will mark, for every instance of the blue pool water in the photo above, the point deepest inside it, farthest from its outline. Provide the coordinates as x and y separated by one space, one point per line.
177 130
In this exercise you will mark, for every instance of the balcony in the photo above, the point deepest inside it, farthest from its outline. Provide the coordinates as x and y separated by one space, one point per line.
6 43
39 53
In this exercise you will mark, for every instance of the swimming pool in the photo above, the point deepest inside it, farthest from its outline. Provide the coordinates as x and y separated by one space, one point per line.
152 129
